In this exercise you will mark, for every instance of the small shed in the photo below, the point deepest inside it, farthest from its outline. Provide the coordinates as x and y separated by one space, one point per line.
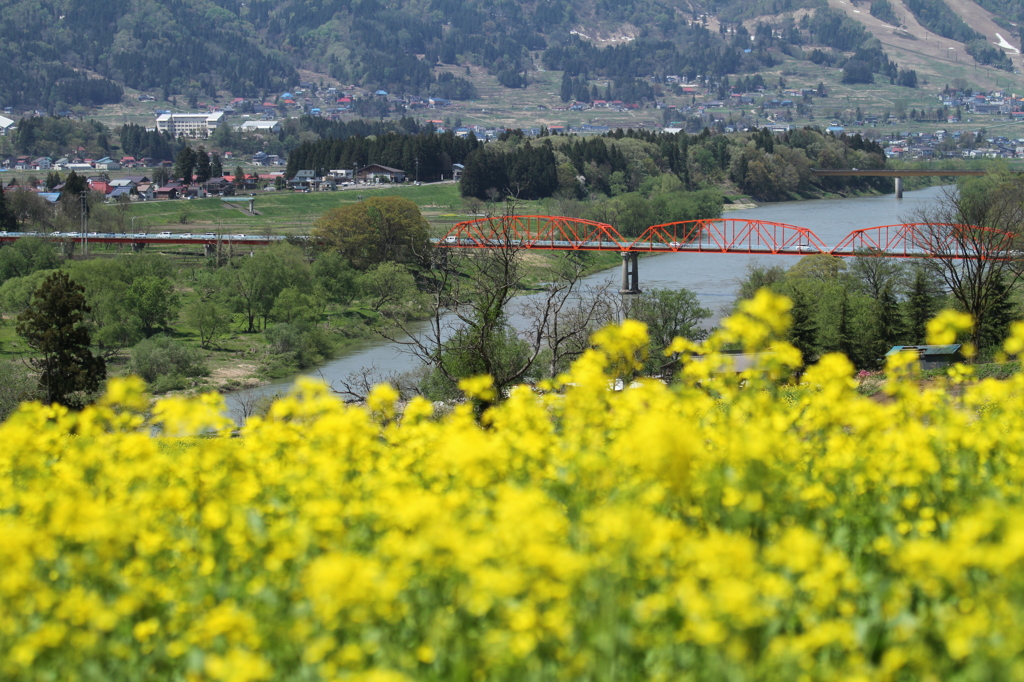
932 357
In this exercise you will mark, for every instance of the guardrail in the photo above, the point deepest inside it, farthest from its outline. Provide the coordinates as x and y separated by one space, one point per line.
146 238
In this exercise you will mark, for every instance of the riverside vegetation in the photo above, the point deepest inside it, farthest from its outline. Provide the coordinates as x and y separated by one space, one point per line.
370 270
728 526
223 322
173 322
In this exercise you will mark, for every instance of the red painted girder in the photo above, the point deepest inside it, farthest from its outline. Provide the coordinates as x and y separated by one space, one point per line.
729 235
921 240
535 232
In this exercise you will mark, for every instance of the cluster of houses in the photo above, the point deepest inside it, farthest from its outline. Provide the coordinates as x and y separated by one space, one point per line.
936 145
328 103
373 174
142 188
129 187
984 103
79 165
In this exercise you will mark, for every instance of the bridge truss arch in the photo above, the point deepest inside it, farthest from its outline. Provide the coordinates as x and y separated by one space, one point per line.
734 235
930 240
535 232
729 235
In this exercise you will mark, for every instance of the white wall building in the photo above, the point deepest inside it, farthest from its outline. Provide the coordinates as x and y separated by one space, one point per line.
190 125
261 126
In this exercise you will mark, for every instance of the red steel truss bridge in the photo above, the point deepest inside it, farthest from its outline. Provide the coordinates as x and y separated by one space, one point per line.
728 235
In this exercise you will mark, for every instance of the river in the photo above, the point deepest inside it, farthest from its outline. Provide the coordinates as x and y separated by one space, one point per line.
713 277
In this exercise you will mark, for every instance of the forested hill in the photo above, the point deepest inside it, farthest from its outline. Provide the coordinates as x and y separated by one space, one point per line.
180 46
198 47
60 53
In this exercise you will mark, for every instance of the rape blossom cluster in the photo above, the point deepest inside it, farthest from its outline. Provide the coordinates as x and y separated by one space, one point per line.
728 526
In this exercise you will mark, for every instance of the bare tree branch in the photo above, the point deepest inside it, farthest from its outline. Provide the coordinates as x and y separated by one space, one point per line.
472 292
974 234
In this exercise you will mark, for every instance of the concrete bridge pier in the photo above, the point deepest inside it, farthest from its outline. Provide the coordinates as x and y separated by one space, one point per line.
899 187
630 274
209 250
138 246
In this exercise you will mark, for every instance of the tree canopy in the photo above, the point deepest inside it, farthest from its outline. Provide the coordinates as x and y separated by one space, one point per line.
53 326
8 221
375 230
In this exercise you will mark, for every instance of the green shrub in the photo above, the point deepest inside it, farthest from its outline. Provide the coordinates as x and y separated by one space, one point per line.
165 363
296 346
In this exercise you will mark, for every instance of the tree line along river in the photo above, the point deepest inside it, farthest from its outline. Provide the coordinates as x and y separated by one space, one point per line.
713 277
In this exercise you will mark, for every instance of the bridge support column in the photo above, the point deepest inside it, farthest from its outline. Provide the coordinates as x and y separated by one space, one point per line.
209 250
138 246
899 187
630 274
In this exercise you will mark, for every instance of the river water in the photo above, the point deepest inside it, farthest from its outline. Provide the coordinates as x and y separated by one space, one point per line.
713 277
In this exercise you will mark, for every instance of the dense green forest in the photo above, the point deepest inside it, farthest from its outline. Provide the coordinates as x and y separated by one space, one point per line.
937 17
760 164
738 10
60 136
426 156
883 10
199 48
1008 9
180 46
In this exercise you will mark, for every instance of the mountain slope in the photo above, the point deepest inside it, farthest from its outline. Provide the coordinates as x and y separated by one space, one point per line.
935 57
60 53
181 46
982 20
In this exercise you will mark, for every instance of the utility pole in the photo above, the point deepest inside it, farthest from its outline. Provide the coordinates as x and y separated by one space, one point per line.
85 222
417 169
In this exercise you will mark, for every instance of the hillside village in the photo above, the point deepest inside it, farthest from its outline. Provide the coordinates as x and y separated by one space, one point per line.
117 176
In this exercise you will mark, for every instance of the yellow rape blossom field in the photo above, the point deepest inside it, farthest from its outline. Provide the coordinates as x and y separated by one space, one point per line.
726 527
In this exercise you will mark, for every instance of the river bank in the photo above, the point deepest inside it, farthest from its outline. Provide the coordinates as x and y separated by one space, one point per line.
242 361
714 278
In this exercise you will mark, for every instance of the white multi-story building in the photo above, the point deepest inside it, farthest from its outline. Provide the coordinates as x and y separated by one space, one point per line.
189 125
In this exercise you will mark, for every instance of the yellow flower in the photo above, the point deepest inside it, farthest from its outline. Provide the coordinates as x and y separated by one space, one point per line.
478 387
944 328
382 400
238 666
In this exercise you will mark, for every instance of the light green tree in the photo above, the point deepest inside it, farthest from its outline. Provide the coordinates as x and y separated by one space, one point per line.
376 230
256 282
668 313
208 318
386 284
335 277
153 301
292 305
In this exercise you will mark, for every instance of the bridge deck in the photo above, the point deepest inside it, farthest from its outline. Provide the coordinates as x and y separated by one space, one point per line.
732 236
885 173
179 239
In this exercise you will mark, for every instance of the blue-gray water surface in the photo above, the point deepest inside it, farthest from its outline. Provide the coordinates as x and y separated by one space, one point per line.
713 277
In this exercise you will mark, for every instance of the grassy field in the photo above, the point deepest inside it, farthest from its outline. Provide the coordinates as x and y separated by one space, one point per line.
295 213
